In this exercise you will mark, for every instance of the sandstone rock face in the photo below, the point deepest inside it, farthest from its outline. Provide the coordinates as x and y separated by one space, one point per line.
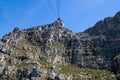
109 44
109 27
50 51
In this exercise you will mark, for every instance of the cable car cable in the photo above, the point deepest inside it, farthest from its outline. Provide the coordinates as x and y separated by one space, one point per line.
58 8
52 8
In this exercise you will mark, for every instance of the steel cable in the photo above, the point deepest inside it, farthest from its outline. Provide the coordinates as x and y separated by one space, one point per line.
52 8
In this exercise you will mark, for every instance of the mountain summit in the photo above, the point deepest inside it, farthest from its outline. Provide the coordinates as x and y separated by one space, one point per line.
53 52
109 27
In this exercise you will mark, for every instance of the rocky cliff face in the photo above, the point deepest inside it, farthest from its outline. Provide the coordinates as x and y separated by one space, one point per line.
109 27
54 52
106 36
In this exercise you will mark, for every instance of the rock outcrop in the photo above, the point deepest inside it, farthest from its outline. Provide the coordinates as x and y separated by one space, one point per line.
52 51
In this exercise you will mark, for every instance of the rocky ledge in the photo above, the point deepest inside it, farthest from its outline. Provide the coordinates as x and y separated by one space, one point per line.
53 52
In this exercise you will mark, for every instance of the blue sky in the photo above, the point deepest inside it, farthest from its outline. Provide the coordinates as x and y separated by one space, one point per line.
78 15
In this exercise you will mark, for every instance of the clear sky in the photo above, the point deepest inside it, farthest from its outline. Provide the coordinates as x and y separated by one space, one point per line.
78 15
